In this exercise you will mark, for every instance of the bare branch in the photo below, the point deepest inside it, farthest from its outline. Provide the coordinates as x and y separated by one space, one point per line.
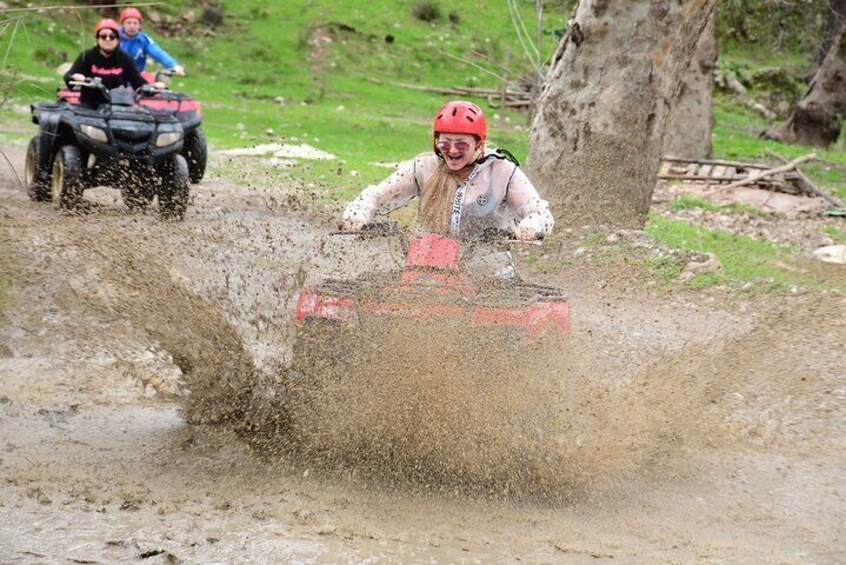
42 9
523 36
473 64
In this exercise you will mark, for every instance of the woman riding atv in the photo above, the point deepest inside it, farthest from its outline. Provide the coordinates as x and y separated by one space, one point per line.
464 189
106 62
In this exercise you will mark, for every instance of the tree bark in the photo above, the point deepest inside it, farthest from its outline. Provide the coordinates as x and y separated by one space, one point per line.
689 125
597 139
835 21
816 119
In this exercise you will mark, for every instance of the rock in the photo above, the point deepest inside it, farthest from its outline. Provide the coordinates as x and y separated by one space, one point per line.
832 254
63 68
699 264
733 84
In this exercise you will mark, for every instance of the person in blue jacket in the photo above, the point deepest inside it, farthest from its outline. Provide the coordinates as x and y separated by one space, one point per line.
139 45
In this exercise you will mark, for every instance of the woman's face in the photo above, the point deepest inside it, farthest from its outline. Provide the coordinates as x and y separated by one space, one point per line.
107 40
458 149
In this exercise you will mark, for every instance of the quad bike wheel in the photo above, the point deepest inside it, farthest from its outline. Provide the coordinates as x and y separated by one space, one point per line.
36 179
174 189
196 154
66 182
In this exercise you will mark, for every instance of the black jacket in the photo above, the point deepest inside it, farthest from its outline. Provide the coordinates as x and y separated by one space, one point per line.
116 70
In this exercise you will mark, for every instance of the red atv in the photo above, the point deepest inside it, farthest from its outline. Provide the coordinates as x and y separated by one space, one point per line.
428 369
434 286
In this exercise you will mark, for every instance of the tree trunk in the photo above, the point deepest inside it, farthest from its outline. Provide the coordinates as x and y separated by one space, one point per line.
816 119
597 139
836 20
689 125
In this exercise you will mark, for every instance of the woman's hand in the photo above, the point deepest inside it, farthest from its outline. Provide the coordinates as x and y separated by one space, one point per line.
78 77
352 226
525 233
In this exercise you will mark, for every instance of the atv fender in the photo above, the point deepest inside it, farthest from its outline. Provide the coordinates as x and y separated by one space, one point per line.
48 124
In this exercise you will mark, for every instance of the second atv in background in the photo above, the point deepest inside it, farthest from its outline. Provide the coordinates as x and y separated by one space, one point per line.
121 143
189 113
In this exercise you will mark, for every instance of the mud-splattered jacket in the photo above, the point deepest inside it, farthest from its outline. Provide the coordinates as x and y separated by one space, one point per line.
142 45
498 196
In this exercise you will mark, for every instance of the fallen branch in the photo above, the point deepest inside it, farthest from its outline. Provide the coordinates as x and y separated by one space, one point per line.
708 178
808 185
752 179
674 159
454 90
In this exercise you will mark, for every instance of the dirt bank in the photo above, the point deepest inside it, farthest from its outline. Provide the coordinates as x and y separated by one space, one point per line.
696 434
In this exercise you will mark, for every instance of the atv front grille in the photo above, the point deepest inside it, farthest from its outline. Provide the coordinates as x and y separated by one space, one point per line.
137 139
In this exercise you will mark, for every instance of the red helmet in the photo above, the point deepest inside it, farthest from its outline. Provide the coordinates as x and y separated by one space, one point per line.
459 116
107 23
131 13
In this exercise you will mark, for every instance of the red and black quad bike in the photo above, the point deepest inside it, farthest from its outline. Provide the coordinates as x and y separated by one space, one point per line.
184 108
435 290
189 113
121 143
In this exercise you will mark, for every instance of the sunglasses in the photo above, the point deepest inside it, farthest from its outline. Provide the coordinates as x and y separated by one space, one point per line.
460 145
107 36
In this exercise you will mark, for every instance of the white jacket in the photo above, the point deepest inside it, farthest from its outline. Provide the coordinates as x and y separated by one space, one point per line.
499 196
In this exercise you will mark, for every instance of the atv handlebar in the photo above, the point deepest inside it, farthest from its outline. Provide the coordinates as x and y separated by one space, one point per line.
387 229
95 82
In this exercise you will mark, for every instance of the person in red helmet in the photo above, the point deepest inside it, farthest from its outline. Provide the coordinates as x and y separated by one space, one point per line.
464 188
105 61
139 45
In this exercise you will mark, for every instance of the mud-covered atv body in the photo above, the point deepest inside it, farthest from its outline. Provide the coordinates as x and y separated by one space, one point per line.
187 110
122 143
435 285
429 367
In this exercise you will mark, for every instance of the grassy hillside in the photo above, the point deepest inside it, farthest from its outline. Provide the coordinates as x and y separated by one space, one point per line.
336 65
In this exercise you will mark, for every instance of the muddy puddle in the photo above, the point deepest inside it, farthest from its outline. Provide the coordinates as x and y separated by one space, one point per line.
139 361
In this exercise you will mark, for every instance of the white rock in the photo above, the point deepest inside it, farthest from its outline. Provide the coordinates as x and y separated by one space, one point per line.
832 254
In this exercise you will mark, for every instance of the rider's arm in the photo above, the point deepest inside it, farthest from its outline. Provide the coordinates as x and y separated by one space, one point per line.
160 55
395 191
133 76
532 211
78 67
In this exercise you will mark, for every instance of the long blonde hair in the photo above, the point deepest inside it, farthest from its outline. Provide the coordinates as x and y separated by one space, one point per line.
438 194
436 199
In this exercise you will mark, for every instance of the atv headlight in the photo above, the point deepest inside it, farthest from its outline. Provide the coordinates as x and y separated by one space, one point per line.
165 139
96 134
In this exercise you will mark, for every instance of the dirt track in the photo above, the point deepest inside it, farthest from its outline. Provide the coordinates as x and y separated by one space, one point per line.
702 436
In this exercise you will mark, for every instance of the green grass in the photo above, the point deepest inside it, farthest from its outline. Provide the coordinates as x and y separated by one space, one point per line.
744 259
687 202
837 234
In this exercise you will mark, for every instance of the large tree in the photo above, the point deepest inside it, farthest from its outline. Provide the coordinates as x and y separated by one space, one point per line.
690 122
834 22
598 135
816 118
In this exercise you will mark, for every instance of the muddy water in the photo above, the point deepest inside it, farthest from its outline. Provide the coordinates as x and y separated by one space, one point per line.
137 356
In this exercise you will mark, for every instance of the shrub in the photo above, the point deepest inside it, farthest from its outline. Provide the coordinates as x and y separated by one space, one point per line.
426 11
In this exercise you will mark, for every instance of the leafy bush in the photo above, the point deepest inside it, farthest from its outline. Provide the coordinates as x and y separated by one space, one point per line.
426 11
